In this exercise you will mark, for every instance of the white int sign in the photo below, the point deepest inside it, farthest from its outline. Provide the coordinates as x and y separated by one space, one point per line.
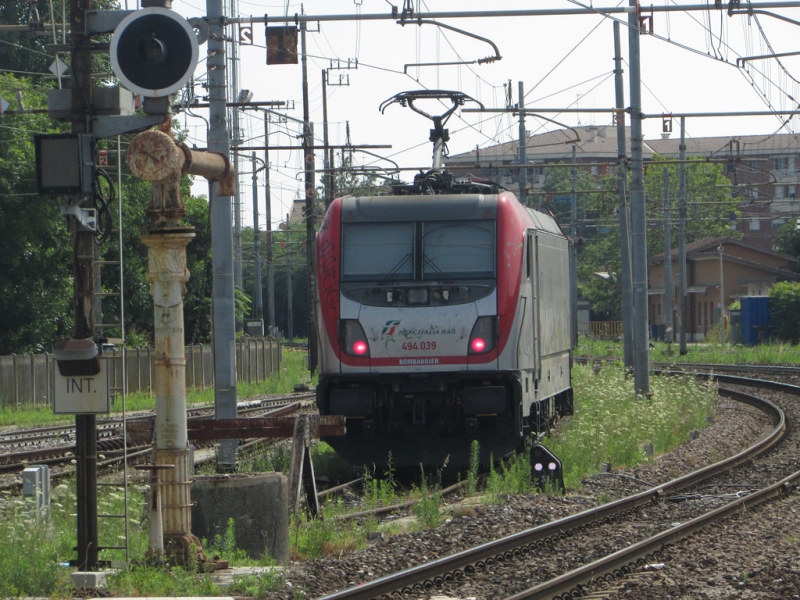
82 394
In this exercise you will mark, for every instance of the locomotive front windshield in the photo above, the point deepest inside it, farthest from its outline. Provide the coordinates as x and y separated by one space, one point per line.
378 251
460 249
422 251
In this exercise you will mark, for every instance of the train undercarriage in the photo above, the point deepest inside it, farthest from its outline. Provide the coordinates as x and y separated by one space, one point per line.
432 418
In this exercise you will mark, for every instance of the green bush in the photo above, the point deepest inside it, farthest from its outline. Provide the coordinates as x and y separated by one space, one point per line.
611 425
784 299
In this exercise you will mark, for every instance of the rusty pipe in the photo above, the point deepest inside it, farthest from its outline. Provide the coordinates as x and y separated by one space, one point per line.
155 156
214 166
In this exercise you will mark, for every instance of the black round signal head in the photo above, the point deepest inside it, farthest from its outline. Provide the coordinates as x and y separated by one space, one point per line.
154 52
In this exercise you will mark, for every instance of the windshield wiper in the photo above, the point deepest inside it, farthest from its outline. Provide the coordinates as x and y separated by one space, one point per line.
394 270
444 278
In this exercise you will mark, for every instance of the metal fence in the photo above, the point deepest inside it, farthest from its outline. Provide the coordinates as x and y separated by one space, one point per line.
27 379
603 330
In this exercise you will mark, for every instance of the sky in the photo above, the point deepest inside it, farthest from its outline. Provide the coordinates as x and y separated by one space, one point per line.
688 65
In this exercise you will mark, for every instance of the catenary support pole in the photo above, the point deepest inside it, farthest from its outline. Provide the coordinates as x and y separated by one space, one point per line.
222 301
238 279
327 177
523 142
682 243
83 259
310 209
668 329
270 260
624 212
638 224
573 249
289 283
721 250
257 296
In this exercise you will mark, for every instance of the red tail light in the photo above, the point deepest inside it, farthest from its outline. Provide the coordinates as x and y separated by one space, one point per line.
353 339
477 345
483 336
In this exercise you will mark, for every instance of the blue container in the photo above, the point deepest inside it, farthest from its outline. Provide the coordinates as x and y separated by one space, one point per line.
755 319
658 331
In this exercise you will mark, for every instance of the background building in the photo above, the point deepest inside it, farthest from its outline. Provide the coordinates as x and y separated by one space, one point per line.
762 169
715 267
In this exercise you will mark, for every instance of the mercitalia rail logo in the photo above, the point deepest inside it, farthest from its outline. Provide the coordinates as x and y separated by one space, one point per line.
390 327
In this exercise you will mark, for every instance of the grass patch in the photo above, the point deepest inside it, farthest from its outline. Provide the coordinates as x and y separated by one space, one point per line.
426 509
32 416
36 550
32 551
709 351
610 425
327 536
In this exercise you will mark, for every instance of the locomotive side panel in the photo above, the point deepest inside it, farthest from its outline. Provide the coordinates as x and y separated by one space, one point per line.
553 321
327 304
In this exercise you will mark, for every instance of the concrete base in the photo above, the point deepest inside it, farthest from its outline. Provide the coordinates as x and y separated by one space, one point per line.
89 580
258 505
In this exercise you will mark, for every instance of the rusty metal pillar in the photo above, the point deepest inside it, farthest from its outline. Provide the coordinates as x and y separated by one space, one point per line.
154 156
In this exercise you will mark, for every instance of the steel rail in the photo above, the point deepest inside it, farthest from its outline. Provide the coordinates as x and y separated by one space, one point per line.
15 461
111 425
525 542
717 368
702 368
621 561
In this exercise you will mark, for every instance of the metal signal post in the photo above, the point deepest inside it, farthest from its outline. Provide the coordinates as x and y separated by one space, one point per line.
84 250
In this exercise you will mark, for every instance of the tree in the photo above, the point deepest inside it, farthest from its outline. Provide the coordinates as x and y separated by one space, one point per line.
35 247
788 239
710 206
711 210
784 300
24 53
557 197
350 180
138 302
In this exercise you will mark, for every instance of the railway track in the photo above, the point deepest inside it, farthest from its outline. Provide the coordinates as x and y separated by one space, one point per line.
776 372
55 445
658 516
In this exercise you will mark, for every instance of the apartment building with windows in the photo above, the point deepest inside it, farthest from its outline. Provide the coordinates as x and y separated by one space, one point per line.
762 169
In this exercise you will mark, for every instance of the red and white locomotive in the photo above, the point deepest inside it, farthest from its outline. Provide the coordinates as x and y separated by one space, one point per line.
442 318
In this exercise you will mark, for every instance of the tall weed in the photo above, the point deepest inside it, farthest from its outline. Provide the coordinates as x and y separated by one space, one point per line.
427 509
610 425
474 467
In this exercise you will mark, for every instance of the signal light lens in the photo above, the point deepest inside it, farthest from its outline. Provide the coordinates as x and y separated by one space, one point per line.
483 337
360 348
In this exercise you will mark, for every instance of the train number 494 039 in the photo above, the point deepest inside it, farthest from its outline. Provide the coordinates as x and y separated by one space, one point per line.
419 346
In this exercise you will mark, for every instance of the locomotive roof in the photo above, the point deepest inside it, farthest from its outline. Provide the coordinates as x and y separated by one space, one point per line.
439 207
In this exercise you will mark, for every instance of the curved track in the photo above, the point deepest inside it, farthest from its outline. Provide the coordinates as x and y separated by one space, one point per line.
530 545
